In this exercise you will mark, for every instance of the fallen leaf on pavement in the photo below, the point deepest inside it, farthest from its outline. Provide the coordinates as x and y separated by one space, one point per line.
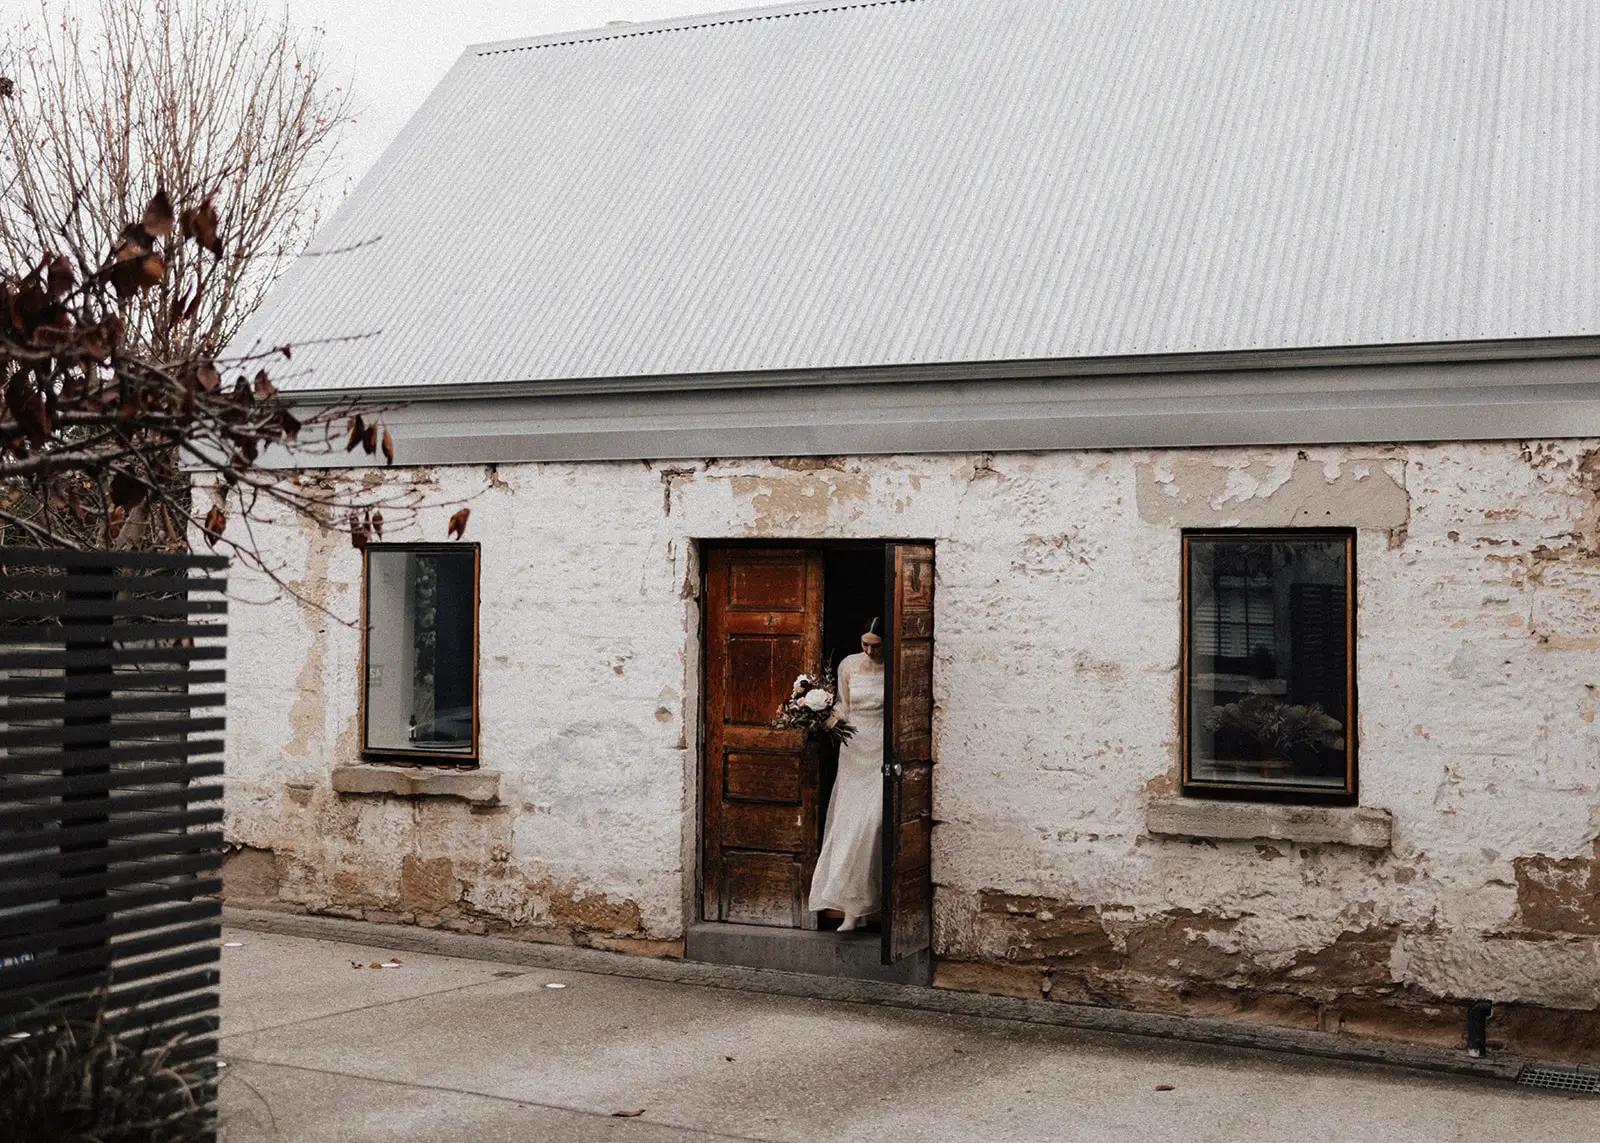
355 964
728 1058
374 964
627 1114
1165 1087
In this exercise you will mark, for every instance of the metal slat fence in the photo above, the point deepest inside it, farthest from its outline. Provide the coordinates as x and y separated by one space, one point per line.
111 692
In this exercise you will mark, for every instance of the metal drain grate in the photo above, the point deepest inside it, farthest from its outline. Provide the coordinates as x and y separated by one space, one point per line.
1560 1079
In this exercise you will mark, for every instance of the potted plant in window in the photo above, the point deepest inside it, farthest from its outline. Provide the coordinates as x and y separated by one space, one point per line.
1282 733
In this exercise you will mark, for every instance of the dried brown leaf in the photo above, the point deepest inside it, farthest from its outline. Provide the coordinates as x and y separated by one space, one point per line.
133 241
358 432
59 277
458 524
627 1114
179 309
208 377
200 224
216 521
388 447
133 271
158 215
377 524
264 388
103 339
369 440
54 329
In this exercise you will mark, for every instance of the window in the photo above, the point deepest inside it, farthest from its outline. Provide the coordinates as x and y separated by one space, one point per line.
420 655
1269 670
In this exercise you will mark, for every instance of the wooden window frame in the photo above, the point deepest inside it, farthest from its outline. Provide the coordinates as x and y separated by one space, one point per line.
467 758
1266 790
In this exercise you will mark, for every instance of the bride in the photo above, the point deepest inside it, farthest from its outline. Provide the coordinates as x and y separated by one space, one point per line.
846 878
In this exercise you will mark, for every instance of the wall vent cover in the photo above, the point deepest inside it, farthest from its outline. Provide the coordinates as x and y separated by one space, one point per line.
1581 1080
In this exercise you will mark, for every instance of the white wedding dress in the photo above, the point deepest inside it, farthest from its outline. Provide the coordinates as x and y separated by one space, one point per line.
852 839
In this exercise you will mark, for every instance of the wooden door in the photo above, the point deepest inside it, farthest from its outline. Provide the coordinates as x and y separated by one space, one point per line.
907 885
759 801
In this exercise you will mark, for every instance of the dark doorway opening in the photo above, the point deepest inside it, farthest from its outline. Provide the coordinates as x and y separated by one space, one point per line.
852 596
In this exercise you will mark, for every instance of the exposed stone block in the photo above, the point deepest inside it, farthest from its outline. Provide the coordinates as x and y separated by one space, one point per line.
1364 826
249 876
480 786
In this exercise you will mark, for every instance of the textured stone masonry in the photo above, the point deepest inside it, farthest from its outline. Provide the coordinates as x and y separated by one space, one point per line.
1063 867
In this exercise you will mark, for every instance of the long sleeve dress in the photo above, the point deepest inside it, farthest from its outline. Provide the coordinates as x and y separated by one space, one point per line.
846 877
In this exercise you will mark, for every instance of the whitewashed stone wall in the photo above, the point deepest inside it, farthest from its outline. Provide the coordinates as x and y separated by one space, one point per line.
1057 639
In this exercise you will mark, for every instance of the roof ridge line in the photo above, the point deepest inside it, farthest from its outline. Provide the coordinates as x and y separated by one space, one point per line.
722 20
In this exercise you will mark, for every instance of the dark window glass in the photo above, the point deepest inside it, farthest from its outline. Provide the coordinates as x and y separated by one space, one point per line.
1269 679
421 650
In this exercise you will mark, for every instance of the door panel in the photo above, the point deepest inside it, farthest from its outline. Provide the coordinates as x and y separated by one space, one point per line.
759 801
764 667
908 751
771 585
761 778
759 888
751 825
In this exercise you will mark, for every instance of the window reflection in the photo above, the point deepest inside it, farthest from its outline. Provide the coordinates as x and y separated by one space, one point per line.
421 649
1268 670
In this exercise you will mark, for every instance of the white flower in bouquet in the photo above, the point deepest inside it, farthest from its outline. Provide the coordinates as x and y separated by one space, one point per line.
817 699
803 684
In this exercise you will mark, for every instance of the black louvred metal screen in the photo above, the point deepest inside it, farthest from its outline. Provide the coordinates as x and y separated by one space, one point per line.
111 693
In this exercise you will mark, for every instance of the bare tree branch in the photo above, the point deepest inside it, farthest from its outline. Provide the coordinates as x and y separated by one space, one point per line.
160 172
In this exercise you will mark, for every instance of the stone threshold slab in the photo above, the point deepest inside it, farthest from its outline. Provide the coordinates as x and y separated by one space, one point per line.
855 956
568 958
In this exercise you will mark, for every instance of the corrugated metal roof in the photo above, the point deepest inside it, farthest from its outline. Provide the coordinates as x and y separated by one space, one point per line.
831 185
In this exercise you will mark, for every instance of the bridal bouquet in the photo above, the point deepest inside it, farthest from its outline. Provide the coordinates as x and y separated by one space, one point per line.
810 708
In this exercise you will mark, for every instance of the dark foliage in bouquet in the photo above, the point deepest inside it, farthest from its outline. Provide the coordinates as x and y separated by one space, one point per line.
76 1073
809 707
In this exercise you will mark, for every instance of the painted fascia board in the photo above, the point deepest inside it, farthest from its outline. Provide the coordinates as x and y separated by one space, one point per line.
1505 393
1440 353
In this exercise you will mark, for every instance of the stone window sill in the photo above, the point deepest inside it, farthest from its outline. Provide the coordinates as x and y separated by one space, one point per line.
1364 827
478 786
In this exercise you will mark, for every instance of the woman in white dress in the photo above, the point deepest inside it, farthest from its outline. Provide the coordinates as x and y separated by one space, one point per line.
846 878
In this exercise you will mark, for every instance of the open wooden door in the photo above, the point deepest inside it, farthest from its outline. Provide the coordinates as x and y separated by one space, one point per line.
907 915
760 824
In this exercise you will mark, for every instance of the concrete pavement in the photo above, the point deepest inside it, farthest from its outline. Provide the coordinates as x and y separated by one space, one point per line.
443 1049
